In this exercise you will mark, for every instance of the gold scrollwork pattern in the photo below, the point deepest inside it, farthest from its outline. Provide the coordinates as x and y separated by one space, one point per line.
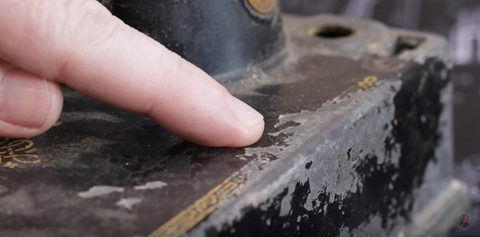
363 85
15 152
199 210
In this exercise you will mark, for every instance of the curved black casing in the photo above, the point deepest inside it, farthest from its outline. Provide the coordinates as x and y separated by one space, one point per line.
219 36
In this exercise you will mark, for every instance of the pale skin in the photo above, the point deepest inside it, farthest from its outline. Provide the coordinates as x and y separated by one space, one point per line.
44 43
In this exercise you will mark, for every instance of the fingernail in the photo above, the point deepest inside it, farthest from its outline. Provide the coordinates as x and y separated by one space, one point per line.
246 114
24 99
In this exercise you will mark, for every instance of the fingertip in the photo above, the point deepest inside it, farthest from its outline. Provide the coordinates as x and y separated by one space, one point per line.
56 105
250 123
236 134
250 135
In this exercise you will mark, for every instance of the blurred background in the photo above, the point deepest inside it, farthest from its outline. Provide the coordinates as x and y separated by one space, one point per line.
457 20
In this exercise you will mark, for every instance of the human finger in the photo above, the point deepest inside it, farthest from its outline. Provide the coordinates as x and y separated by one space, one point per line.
29 104
78 42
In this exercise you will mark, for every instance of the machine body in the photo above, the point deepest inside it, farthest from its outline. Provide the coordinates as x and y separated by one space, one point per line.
358 137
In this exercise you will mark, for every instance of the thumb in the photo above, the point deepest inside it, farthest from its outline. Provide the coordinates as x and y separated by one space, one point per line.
29 104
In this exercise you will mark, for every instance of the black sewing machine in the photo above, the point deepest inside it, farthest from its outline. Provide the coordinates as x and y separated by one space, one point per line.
358 137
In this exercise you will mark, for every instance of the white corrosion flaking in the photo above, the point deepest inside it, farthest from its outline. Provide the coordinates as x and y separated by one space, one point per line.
346 180
96 191
128 203
151 185
313 137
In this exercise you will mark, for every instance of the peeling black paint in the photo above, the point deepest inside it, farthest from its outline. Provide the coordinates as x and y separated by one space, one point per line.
415 129
308 165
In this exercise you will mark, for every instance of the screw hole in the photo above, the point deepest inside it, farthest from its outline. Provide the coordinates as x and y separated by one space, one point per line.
407 43
332 32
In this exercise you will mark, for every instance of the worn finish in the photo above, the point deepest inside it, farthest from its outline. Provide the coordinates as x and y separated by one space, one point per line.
221 37
357 142
372 164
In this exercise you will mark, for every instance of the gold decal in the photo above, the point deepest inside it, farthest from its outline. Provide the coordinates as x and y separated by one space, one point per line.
199 210
13 153
263 6
10 165
363 85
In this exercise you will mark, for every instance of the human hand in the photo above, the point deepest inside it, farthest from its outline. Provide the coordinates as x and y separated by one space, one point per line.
79 43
